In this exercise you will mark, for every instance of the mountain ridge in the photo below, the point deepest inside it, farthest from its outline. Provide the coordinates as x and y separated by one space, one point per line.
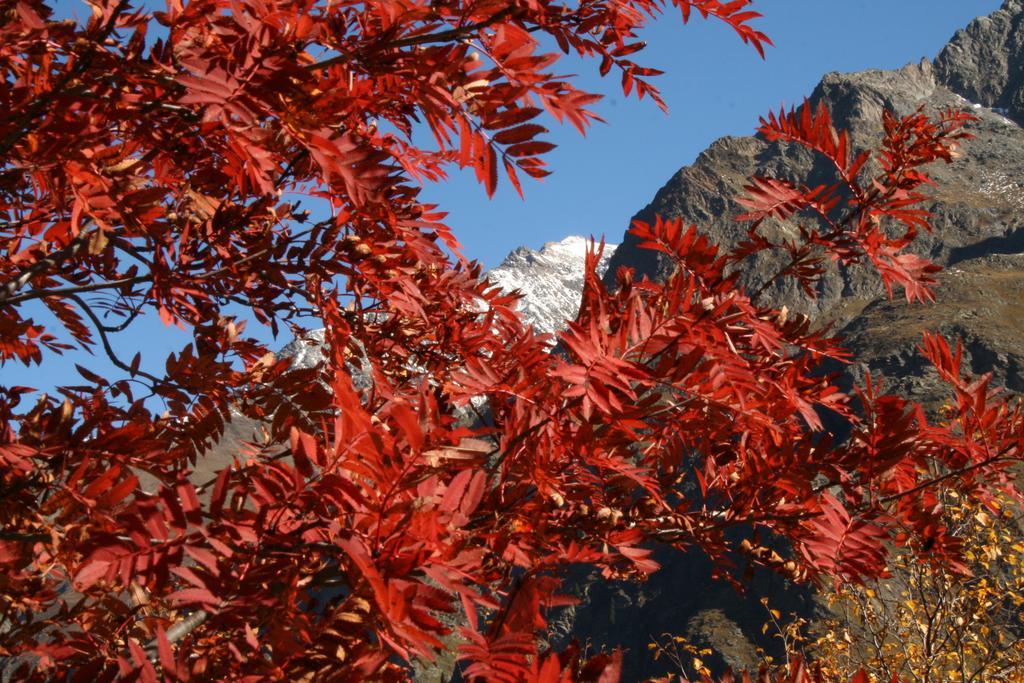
978 217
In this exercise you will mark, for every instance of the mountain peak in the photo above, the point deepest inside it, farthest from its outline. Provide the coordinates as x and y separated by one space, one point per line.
984 62
550 279
977 198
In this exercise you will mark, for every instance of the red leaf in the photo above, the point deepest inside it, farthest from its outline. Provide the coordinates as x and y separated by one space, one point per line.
530 149
205 558
165 651
250 637
491 170
220 490
194 596
90 573
29 16
519 134
119 492
456 489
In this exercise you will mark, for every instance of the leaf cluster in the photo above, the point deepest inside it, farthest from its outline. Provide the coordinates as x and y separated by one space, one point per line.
436 475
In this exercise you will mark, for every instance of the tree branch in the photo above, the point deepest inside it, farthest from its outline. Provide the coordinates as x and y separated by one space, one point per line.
40 103
78 289
19 536
1001 455
105 341
177 632
9 289
439 37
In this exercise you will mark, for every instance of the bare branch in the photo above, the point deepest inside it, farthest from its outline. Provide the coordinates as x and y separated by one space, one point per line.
102 331
79 289
177 632
10 288
439 37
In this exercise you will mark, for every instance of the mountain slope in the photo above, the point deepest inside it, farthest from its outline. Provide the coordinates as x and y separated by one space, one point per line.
978 200
984 62
978 219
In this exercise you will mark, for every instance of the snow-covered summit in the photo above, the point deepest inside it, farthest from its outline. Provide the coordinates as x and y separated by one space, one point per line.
550 279
307 351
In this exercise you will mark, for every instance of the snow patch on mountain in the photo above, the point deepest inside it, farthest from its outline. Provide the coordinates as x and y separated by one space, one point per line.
306 351
550 280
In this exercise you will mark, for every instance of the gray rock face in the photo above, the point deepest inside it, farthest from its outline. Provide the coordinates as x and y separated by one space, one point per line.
978 221
307 351
682 599
985 61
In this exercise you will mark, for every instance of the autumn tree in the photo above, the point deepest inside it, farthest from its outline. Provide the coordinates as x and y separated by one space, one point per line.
922 622
929 623
441 469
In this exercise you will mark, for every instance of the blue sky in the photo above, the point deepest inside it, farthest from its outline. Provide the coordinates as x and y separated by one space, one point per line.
714 85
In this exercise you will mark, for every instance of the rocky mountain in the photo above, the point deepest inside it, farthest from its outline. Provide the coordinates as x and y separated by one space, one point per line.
977 203
985 61
550 279
978 219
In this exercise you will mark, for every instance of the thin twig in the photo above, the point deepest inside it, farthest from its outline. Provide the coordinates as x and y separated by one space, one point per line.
106 341
10 288
439 37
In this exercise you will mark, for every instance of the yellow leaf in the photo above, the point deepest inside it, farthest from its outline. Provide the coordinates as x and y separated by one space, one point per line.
98 242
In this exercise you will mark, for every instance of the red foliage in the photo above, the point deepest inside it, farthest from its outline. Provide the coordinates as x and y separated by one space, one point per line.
372 515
